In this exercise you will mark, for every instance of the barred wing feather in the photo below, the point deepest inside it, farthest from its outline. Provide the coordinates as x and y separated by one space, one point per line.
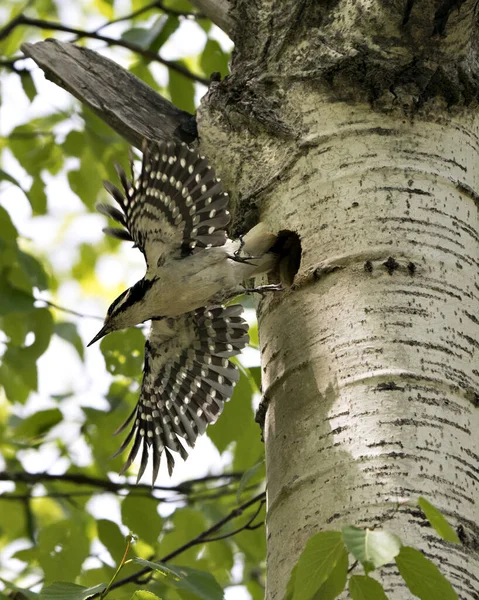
186 381
175 207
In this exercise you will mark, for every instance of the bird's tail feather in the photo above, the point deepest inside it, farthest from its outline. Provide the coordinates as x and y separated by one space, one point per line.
257 243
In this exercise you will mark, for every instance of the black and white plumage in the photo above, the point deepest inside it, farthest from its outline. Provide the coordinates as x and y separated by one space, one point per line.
186 381
176 206
176 213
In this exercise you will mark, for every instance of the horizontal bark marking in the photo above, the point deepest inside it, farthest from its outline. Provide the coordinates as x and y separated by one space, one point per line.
405 190
427 345
439 400
424 222
430 155
472 454
414 293
450 423
463 380
473 342
397 310
470 316
388 386
441 482
421 233
384 443
469 473
466 227
467 190
411 422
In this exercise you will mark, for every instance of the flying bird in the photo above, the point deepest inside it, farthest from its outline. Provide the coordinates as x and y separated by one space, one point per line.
176 214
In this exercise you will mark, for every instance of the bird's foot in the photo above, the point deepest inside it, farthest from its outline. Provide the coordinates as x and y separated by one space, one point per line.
263 289
243 259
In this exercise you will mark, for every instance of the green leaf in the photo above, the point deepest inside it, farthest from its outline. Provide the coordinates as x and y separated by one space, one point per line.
40 322
33 269
26 593
139 514
28 85
123 352
186 524
35 151
320 556
201 584
362 587
291 583
214 59
37 196
422 577
23 369
336 582
182 90
111 537
139 36
248 446
4 176
69 333
38 424
165 32
62 590
62 548
144 595
7 228
438 521
372 548
13 383
248 476
13 300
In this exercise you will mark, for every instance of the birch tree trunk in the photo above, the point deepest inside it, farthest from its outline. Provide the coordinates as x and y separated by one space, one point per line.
356 125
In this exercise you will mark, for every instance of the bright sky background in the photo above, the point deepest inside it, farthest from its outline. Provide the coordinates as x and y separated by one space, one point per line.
60 370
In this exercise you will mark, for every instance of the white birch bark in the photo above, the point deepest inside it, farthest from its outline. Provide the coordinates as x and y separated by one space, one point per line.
372 364
356 124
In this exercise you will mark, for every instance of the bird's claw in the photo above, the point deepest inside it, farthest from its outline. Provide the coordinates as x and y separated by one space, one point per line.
263 289
243 259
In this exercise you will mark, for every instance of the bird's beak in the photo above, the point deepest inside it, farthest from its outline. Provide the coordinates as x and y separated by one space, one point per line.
103 331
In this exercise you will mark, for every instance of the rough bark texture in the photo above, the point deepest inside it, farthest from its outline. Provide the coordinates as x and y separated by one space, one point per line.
122 100
356 124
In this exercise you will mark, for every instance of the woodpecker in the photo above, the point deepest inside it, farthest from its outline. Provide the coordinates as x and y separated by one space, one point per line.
176 214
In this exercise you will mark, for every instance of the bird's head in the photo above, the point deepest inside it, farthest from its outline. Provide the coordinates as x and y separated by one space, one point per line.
127 310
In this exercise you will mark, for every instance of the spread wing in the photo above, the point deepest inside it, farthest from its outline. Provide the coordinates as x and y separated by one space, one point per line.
187 379
177 204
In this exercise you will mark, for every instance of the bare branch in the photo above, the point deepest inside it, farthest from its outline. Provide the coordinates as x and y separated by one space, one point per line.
67 310
157 4
218 12
80 33
106 484
125 103
202 538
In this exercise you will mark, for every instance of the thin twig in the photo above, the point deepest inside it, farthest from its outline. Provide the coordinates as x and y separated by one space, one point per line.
111 486
41 24
246 526
200 539
67 310
11 62
221 491
157 4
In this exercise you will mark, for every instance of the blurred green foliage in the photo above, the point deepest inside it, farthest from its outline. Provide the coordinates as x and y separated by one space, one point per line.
46 522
